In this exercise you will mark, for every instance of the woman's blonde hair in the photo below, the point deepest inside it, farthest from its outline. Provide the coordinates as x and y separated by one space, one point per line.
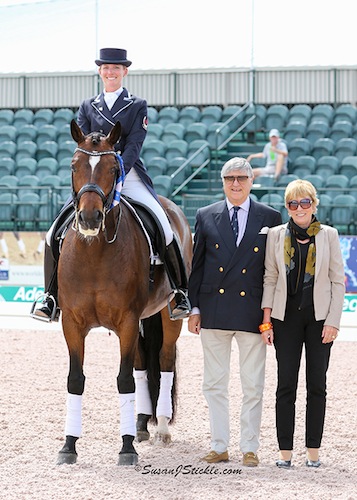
301 189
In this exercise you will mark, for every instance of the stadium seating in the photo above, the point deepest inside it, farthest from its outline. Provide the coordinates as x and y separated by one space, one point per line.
188 115
300 112
276 117
172 131
42 117
177 147
168 114
22 117
304 165
323 112
294 130
7 166
341 129
326 166
323 147
335 184
345 147
211 114
195 131
317 129
163 185
346 112
6 117
26 133
297 147
8 133
348 166
342 213
235 115
324 207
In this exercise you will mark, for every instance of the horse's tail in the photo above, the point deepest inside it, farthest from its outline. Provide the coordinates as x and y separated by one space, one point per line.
151 343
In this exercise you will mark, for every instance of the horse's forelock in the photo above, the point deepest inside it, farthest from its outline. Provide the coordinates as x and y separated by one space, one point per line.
96 138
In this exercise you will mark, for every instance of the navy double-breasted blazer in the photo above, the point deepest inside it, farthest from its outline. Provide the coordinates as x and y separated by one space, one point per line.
131 111
226 281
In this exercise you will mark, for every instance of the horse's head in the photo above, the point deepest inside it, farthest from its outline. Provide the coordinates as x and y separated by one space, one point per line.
95 168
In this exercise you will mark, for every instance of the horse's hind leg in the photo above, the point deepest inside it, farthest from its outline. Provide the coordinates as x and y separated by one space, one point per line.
165 405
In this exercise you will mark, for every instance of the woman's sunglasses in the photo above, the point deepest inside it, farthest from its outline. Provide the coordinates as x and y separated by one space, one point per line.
305 203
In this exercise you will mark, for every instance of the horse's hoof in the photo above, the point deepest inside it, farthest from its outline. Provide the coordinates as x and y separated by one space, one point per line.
66 458
142 436
162 439
128 459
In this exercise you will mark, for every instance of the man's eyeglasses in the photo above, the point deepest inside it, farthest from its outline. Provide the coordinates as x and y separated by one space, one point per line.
229 179
305 204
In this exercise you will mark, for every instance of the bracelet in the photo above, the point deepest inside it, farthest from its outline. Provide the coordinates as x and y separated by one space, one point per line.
265 326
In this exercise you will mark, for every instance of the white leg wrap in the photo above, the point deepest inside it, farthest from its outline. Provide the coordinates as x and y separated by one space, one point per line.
127 414
4 247
21 245
73 425
142 395
41 246
164 405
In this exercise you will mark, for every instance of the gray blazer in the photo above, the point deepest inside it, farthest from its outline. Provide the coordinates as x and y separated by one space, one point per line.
329 287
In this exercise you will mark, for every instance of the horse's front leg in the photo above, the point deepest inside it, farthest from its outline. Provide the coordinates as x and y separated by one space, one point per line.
126 389
75 387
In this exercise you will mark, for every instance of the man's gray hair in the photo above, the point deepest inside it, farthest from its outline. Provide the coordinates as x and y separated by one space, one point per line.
237 164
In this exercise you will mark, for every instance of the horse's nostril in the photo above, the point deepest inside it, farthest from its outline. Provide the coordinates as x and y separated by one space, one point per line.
90 219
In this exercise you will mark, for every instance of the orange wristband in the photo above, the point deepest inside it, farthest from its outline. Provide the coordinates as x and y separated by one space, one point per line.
264 327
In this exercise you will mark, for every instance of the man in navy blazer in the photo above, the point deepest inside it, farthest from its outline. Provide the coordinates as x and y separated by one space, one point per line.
225 291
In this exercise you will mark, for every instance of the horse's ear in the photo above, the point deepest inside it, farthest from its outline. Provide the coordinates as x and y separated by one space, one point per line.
76 132
114 134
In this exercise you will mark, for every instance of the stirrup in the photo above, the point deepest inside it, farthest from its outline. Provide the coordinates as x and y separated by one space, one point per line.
180 314
55 311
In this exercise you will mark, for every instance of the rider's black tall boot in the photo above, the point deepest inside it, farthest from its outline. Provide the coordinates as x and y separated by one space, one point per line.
176 271
48 310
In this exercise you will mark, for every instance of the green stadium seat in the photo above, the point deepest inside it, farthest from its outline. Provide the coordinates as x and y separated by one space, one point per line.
195 131
341 129
178 147
345 147
66 149
155 130
64 134
217 134
317 129
22 117
26 133
300 112
42 117
284 180
7 166
9 180
198 152
8 149
6 117
276 117
168 114
172 132
61 117
47 149
26 149
326 166
323 147
298 147
8 203
258 124
346 112
8 133
173 165
211 114
342 214
324 207
188 115
316 180
157 166
294 130
152 115
348 166
25 166
324 112
233 111
336 184
304 165
153 148
163 185
45 133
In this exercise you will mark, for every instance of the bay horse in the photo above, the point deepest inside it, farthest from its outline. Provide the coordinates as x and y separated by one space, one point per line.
103 280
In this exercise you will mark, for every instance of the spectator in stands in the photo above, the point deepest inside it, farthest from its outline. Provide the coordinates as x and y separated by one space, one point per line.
302 302
99 114
275 154
225 290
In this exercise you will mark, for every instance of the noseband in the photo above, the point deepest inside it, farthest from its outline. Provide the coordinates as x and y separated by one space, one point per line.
94 188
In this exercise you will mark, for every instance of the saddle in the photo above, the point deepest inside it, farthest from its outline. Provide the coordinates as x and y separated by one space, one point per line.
143 215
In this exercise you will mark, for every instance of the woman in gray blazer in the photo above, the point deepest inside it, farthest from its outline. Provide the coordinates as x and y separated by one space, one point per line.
302 302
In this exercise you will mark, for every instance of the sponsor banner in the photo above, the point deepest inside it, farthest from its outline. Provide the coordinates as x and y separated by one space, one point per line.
20 293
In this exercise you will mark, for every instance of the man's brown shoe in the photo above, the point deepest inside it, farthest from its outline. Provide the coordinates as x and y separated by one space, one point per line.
213 457
250 459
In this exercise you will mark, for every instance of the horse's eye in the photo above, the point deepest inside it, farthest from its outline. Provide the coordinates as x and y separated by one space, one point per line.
73 168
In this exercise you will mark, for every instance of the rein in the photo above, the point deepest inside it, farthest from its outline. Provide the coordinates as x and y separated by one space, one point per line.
94 188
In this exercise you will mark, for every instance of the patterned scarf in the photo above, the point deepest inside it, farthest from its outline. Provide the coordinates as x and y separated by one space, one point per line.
292 257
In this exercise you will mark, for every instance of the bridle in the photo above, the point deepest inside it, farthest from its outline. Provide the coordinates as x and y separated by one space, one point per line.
94 188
